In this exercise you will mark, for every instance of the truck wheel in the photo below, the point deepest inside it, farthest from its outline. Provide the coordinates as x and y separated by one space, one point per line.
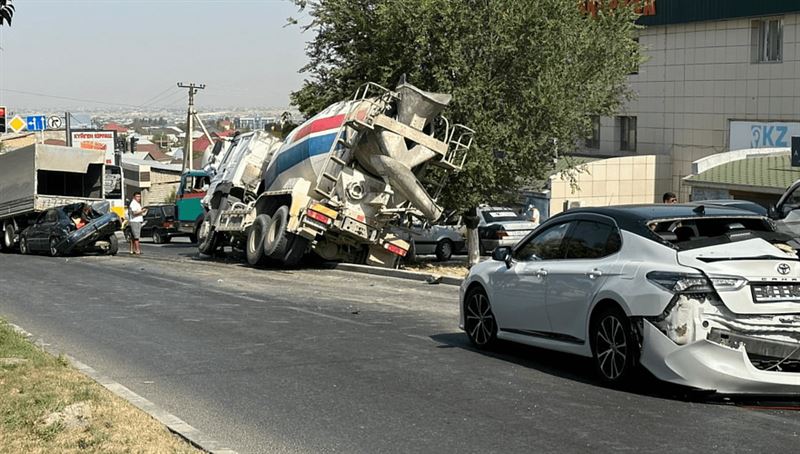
444 250
8 235
207 239
255 240
113 245
296 251
277 239
197 225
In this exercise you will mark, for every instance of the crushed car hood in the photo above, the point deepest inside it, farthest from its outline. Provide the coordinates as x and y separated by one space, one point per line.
766 268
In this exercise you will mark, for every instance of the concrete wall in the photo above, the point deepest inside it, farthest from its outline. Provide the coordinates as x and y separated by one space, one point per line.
698 78
614 181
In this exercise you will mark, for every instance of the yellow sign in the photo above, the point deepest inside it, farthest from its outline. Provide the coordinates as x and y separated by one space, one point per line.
17 124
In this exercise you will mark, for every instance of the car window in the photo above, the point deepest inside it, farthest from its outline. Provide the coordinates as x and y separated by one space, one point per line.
52 216
501 215
169 210
702 232
546 245
592 240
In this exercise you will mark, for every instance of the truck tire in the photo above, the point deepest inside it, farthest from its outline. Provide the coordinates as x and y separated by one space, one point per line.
296 251
276 239
8 235
207 239
113 245
254 248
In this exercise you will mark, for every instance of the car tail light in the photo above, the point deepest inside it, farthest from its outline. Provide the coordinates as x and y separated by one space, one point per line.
500 234
167 225
316 215
395 249
695 283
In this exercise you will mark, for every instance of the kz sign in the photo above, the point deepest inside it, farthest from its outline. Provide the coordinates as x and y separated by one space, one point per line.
748 134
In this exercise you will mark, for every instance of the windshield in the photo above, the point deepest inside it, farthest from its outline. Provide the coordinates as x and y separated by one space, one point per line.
695 233
501 215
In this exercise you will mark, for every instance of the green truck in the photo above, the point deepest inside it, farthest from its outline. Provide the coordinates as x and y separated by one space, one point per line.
188 209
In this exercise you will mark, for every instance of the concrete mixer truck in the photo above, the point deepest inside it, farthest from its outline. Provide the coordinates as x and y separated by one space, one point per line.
337 181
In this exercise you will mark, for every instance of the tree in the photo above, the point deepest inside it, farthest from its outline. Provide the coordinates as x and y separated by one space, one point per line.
526 75
6 12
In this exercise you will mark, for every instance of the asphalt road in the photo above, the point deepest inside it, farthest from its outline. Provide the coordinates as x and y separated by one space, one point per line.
327 361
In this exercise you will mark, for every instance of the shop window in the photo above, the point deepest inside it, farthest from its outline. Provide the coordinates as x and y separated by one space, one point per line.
767 40
627 141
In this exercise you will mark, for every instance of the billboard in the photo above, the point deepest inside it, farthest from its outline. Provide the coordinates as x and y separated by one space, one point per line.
759 134
96 140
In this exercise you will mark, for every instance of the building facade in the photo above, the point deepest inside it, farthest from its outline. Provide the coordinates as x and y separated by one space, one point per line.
720 75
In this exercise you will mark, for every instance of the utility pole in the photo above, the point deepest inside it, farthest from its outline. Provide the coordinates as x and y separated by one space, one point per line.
187 149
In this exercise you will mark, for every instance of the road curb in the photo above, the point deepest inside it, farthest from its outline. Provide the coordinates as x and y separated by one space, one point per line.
399 274
174 424
429 278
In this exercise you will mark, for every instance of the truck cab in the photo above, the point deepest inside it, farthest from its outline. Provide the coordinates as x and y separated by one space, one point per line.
188 209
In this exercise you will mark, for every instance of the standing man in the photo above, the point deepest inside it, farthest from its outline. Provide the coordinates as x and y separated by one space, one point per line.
135 219
669 197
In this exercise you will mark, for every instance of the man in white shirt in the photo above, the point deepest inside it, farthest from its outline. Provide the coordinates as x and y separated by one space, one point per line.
135 219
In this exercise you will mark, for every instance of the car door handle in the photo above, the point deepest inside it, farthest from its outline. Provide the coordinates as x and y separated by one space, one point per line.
541 272
594 274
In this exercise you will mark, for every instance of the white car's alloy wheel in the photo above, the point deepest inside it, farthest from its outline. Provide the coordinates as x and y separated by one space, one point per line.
613 346
479 321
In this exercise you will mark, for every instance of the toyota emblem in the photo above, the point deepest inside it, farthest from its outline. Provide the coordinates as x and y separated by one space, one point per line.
784 268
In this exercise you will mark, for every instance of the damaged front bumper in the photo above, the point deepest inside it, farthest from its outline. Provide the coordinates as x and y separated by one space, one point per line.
699 343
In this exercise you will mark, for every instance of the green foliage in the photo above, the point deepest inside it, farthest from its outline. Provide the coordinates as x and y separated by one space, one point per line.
524 74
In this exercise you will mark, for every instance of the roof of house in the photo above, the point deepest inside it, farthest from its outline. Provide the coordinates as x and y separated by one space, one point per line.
771 174
158 155
115 127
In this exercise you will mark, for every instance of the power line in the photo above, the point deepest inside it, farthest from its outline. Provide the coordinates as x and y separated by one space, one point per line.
68 98
152 99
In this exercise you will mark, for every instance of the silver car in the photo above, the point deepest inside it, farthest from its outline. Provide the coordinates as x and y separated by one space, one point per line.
441 240
501 226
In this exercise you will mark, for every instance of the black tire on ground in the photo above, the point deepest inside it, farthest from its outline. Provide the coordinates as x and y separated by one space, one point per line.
411 254
276 238
158 237
296 252
23 246
254 249
53 248
614 349
197 224
113 245
479 321
207 239
444 250
8 235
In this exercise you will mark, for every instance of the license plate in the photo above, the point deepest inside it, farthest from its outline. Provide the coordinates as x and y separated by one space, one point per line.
770 293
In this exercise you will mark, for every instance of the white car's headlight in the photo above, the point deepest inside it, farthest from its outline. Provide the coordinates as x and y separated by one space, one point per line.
694 283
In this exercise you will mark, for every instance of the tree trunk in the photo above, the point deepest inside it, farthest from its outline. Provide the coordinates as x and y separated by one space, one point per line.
473 247
473 242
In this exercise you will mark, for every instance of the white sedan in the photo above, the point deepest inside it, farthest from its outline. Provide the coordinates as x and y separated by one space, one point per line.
701 296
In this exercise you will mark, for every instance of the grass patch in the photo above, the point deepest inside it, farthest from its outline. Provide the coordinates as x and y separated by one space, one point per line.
47 406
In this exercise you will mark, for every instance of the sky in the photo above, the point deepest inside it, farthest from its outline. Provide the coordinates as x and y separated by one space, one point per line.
129 53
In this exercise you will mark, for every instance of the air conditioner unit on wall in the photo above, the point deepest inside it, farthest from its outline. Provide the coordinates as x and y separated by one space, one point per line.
568 204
